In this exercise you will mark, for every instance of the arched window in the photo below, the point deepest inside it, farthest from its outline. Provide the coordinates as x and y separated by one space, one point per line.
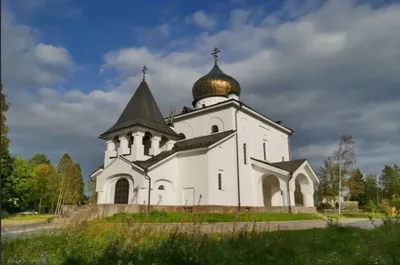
244 154
265 150
203 105
214 129
161 187
182 135
219 181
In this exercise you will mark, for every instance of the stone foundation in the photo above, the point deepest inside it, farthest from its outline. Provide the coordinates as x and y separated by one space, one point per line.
87 212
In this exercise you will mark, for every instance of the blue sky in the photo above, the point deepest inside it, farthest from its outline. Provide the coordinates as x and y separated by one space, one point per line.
322 67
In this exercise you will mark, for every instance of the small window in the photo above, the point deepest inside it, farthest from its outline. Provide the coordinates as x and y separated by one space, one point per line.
265 151
203 105
214 129
244 154
182 136
219 181
161 187
283 158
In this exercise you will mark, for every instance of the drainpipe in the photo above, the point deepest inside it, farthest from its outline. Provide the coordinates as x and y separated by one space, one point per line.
146 176
237 154
290 149
288 189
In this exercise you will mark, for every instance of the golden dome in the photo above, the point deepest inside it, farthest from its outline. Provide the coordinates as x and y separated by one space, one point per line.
215 83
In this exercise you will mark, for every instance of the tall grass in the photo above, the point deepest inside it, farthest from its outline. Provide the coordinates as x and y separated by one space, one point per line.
96 243
179 217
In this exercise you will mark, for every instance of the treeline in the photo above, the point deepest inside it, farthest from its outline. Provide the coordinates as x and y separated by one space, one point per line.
373 192
35 183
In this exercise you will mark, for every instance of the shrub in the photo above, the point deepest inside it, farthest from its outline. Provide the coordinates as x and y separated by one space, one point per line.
385 208
395 203
324 206
370 206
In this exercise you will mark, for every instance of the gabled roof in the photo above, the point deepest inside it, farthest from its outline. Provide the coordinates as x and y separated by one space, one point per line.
142 110
184 145
290 166
229 102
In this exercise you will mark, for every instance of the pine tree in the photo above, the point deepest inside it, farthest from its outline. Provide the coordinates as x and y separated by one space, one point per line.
356 185
71 188
390 182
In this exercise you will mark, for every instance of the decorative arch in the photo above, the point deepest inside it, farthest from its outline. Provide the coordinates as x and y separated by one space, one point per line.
167 184
272 193
110 187
303 189
214 121
184 128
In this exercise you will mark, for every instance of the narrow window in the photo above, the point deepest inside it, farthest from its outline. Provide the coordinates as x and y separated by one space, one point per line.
219 181
214 129
283 158
161 187
203 105
244 154
265 151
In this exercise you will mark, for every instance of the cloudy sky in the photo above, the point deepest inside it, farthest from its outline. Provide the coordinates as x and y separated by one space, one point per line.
322 67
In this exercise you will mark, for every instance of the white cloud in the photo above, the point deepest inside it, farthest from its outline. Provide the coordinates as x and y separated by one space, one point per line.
201 19
329 71
53 56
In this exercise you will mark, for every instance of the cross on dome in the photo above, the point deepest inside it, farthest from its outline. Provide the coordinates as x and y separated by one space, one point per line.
215 54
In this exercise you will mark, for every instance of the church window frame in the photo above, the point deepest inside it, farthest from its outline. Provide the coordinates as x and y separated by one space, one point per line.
265 150
161 187
214 129
245 153
219 181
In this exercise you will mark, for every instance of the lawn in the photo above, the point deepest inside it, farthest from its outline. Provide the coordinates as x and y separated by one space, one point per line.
37 218
94 243
182 217
356 215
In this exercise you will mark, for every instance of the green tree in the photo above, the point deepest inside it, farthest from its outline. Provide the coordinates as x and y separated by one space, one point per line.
45 187
22 181
329 184
390 182
7 193
71 190
372 191
40 159
355 185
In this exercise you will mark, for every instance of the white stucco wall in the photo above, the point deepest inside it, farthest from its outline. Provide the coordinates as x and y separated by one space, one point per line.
193 175
105 182
166 174
222 160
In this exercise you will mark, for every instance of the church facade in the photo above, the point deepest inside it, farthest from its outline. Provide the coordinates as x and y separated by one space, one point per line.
219 153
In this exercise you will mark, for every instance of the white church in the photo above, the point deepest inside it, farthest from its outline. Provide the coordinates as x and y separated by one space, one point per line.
220 153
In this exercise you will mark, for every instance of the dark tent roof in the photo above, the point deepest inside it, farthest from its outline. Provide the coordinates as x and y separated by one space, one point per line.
142 110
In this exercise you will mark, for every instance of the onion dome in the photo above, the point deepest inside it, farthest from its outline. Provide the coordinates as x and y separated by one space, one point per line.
215 83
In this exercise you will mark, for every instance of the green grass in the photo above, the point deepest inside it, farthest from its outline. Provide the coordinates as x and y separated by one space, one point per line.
16 219
181 217
95 243
357 215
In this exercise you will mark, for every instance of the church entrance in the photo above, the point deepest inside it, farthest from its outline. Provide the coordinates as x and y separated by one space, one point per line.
121 194
272 195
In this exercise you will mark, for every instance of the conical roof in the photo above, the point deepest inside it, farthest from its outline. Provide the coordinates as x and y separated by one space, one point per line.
142 110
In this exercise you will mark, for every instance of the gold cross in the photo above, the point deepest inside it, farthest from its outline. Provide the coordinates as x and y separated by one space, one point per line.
215 54
144 69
